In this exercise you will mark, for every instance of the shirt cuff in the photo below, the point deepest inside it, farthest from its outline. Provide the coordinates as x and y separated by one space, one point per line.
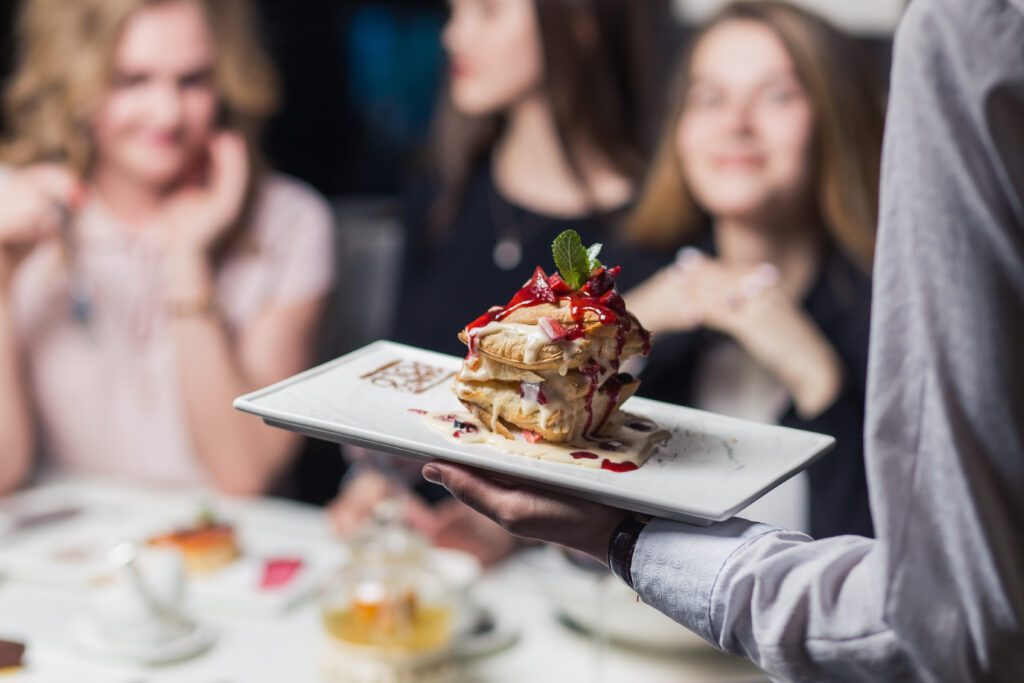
675 567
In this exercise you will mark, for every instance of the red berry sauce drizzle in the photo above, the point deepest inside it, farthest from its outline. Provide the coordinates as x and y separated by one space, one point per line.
583 455
597 295
463 428
627 466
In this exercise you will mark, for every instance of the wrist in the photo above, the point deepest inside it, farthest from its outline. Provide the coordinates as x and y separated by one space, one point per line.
595 538
784 339
622 544
818 385
188 276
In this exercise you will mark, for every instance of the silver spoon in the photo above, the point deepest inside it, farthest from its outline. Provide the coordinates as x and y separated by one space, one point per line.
81 299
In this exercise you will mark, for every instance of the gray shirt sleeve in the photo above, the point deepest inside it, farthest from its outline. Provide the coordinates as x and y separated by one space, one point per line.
940 594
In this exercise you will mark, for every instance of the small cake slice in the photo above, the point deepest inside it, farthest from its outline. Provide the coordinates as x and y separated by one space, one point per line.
205 547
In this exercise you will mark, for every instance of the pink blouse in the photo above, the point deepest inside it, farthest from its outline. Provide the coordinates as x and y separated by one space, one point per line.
106 393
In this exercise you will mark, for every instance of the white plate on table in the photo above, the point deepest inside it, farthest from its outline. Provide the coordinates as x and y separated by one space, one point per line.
711 467
73 553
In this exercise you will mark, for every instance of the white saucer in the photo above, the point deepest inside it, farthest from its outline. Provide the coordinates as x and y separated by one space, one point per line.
486 633
90 640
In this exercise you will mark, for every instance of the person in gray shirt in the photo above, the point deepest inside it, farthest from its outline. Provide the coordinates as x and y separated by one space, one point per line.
939 595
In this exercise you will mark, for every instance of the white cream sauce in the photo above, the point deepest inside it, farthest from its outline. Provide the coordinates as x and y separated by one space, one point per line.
632 444
533 336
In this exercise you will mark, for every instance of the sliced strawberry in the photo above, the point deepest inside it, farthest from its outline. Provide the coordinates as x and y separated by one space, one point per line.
531 437
538 286
558 285
552 328
280 570
533 392
609 298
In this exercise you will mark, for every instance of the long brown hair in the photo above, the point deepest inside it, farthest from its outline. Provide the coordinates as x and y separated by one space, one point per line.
64 66
597 58
846 96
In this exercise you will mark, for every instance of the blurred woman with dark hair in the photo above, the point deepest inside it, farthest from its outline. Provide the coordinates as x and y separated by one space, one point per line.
768 170
151 268
542 127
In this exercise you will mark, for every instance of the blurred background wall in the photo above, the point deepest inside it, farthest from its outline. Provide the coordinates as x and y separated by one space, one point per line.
861 17
360 78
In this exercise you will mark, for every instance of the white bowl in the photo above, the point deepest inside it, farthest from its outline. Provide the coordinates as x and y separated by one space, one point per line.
459 571
457 568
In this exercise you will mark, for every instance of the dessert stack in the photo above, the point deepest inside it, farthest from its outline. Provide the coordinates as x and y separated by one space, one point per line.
547 363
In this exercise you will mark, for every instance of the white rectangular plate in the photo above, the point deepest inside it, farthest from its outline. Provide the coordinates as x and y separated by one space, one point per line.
711 468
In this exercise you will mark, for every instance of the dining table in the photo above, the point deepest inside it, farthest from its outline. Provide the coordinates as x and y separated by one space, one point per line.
536 643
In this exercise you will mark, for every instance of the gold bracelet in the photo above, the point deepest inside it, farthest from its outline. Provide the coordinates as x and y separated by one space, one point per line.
193 308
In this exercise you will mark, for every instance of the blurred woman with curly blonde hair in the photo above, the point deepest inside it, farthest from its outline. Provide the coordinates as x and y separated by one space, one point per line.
151 268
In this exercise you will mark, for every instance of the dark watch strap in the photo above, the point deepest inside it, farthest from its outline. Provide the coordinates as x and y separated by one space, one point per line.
620 550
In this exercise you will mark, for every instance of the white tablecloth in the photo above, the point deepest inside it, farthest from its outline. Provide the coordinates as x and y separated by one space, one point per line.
286 649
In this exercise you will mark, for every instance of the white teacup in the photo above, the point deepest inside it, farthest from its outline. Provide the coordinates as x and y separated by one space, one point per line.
459 571
123 613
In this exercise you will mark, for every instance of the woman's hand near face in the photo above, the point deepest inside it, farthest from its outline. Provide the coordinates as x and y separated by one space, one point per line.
749 305
31 198
529 512
696 291
197 217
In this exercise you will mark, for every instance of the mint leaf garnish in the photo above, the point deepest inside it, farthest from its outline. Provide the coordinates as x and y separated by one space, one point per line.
207 517
572 260
592 251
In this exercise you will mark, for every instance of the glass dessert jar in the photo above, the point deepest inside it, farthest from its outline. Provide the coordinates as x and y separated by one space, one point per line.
387 615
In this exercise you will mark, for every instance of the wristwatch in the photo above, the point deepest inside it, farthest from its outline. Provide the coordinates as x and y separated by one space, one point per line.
620 549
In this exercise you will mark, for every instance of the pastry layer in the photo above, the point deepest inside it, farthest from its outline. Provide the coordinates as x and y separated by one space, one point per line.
527 346
559 411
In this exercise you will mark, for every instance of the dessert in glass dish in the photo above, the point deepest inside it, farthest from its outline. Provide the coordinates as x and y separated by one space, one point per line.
388 615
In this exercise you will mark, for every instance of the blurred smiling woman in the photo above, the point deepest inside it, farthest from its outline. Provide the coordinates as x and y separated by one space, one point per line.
768 173
150 268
